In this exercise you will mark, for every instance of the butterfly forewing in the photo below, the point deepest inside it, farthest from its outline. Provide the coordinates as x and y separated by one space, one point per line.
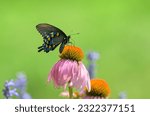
44 28
52 36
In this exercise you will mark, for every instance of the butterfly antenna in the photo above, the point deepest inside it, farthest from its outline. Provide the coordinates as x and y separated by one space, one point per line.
72 39
75 34
73 42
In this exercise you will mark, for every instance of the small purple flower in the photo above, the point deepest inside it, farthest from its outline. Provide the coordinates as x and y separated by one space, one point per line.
91 70
9 89
122 95
25 95
21 81
21 84
92 57
16 88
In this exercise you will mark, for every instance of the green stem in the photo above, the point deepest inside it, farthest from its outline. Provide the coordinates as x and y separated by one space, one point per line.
70 92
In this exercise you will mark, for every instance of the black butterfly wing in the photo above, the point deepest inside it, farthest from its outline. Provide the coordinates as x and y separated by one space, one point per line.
52 37
50 31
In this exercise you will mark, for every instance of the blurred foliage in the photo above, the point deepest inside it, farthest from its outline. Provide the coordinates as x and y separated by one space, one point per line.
117 29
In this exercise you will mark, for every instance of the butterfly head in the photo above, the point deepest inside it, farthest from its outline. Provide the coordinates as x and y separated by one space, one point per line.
68 37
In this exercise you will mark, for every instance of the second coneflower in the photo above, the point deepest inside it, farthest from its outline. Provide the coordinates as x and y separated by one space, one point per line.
70 70
99 90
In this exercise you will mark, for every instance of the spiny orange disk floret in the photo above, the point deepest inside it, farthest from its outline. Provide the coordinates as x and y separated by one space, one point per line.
72 53
99 88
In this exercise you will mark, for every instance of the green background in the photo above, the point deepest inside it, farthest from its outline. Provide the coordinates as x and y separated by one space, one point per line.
118 29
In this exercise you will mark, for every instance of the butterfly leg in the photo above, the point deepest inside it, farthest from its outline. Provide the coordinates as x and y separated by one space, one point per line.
61 47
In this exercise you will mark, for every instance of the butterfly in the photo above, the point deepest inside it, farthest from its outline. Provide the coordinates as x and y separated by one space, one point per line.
52 37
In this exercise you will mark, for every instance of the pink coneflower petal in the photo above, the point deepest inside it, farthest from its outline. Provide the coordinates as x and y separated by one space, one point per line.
68 71
80 78
84 81
53 73
64 69
76 78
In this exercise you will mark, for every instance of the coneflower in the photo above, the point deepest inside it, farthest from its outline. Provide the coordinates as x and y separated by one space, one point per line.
70 70
99 90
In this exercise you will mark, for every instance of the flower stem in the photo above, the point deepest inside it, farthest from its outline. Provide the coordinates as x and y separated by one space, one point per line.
70 92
